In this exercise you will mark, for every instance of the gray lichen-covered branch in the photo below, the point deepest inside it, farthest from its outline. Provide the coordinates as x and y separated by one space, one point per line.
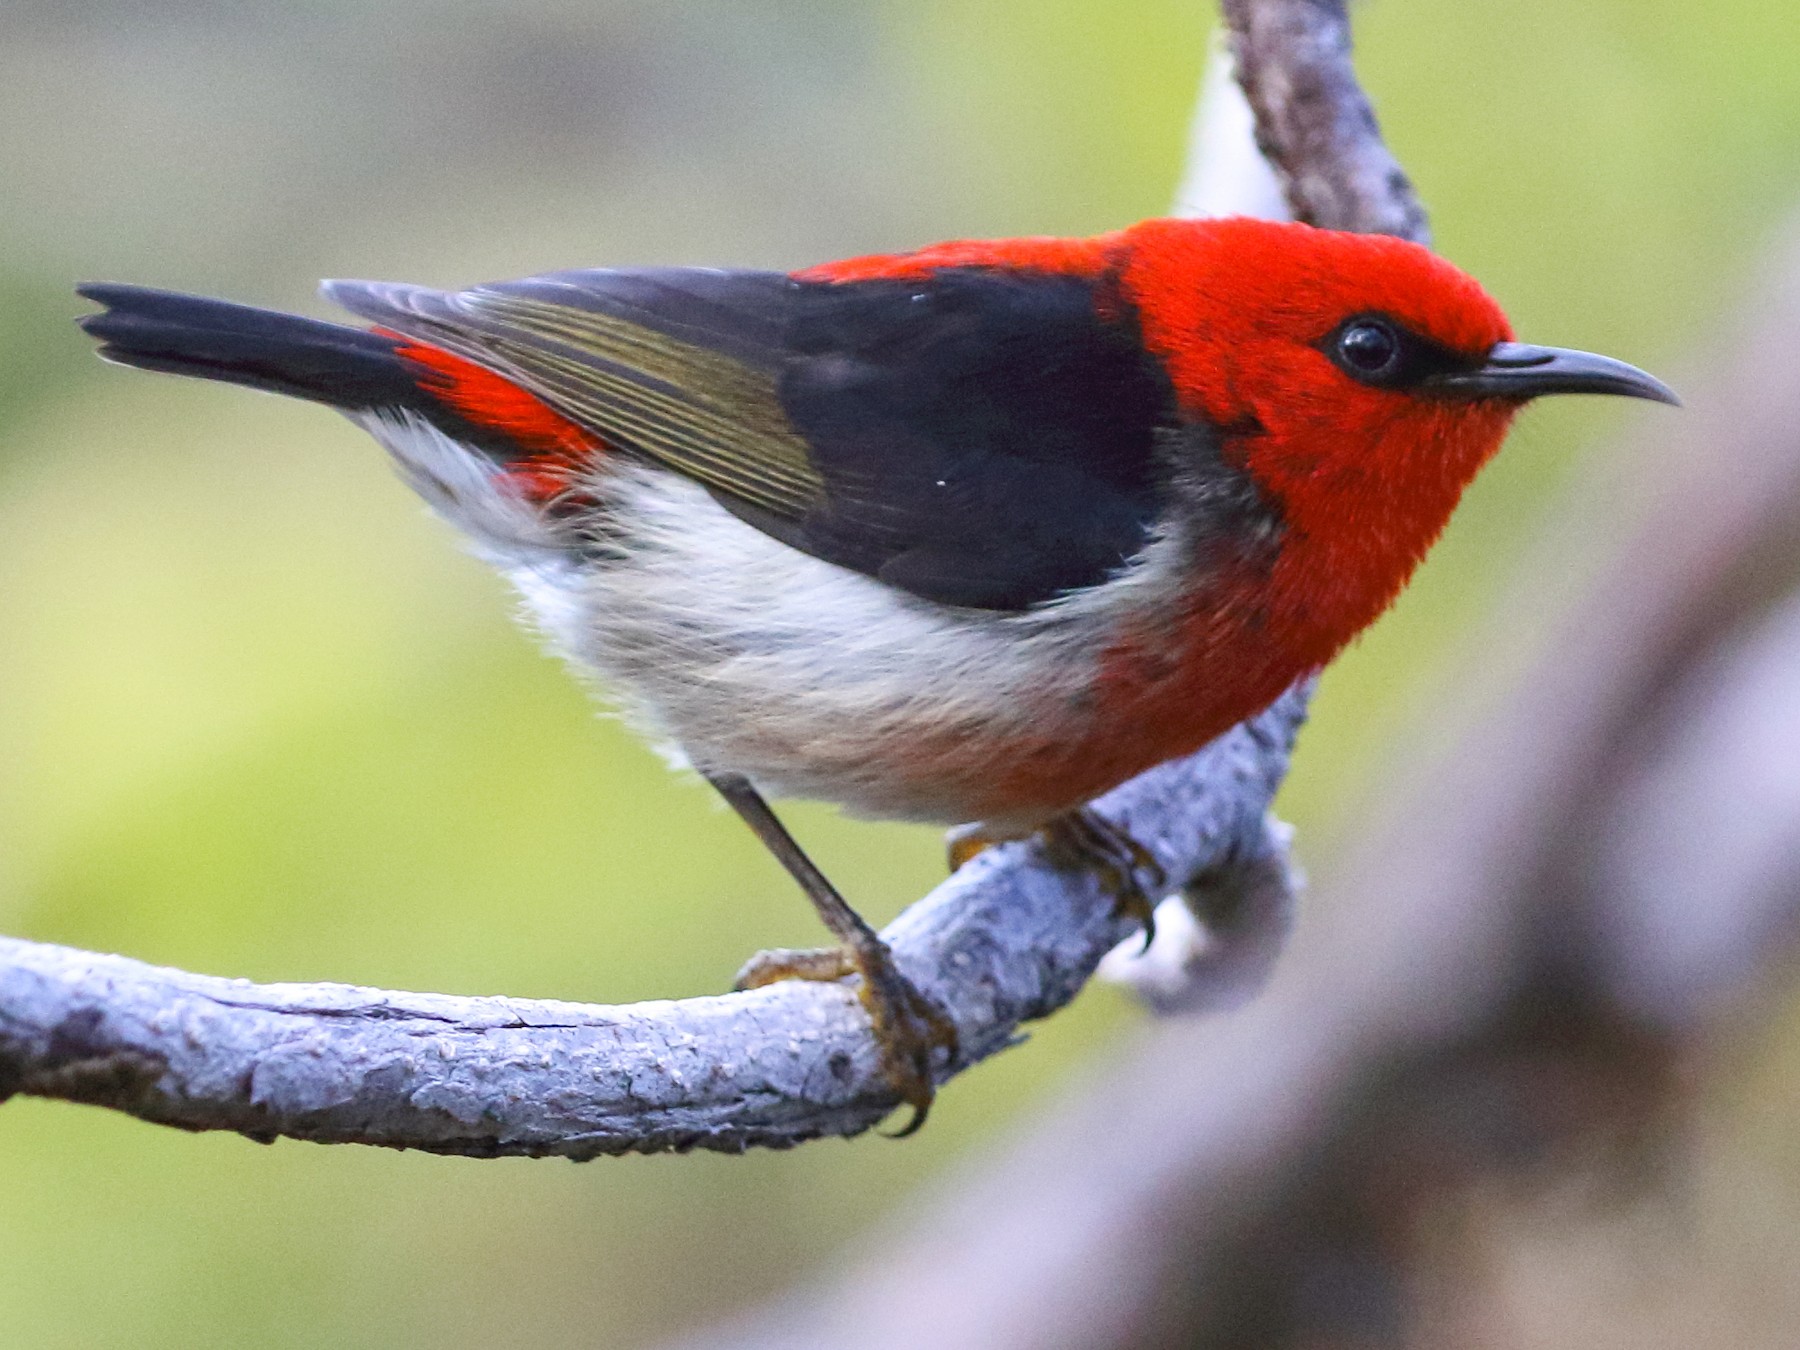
1005 940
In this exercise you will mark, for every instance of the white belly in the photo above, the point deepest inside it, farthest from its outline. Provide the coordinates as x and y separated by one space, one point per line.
741 653
735 652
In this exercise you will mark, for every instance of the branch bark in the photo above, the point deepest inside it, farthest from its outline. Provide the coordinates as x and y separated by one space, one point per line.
1005 940
1313 121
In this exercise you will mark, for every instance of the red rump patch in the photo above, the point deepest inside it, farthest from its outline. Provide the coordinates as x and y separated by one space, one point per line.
553 449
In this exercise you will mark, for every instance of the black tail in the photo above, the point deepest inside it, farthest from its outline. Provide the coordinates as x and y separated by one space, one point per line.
348 368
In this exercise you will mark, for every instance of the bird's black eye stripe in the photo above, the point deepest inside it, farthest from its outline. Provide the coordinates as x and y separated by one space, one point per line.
1376 350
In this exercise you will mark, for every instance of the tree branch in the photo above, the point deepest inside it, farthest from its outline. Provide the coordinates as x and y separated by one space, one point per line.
1005 940
1282 127
1313 121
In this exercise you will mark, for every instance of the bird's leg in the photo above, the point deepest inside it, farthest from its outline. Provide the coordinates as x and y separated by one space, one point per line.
909 1027
1085 840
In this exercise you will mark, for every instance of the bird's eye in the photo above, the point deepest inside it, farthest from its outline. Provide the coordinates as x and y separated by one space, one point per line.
1376 350
1368 348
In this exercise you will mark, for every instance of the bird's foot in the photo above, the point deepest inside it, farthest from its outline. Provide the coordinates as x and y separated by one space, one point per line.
1084 840
962 843
910 1028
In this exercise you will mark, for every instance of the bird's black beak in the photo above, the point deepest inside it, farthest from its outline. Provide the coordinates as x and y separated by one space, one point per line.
1519 370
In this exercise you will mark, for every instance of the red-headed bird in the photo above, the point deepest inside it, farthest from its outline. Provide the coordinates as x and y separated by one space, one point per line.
967 535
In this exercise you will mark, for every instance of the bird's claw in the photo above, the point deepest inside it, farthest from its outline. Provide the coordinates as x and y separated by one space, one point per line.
910 1028
1083 840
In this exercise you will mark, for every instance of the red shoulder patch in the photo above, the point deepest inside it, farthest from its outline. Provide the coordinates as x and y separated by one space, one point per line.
1042 253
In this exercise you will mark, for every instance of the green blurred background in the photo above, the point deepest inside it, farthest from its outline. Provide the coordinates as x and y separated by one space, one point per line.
259 716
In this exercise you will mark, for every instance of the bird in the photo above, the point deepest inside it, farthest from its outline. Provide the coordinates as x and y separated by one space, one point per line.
967 534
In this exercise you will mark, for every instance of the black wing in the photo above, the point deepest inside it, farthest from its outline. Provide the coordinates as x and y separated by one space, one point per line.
979 437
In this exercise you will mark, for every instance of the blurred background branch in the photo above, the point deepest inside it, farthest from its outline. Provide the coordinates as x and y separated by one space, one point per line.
1482 1050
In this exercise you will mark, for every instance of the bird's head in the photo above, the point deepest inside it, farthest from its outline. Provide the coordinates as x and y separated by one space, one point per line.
1356 377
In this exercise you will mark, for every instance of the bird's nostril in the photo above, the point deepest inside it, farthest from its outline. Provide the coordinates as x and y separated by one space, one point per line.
1518 356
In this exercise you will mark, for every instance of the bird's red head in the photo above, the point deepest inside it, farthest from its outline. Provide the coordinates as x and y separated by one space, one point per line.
1260 326
1361 380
